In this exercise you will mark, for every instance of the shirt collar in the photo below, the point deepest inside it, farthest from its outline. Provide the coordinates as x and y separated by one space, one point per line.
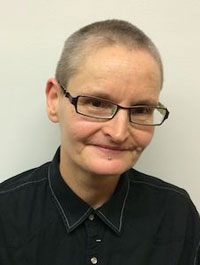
74 211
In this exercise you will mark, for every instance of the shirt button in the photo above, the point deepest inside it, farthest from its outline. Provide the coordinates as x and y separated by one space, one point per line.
94 260
91 218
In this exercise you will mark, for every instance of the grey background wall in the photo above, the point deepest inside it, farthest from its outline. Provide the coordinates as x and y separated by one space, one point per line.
32 35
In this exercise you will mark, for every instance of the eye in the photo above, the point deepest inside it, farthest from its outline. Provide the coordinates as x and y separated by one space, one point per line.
95 103
143 110
95 107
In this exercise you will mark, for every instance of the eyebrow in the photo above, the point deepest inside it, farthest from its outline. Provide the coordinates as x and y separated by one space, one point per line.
99 94
105 96
146 102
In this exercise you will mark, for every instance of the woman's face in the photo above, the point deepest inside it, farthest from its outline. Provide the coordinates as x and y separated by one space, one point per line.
126 77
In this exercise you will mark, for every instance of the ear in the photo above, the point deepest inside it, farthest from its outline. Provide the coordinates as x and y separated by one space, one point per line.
52 99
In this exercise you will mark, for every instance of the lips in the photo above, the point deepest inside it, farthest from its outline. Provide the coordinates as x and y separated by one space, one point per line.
113 148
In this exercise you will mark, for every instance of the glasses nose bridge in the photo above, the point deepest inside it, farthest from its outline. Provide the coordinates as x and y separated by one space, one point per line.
118 126
119 107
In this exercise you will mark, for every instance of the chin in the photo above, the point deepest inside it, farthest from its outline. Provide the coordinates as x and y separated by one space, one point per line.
119 162
109 168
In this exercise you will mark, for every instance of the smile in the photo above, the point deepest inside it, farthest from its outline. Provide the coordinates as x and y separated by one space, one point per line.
110 149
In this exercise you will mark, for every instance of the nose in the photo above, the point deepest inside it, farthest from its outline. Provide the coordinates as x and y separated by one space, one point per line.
118 128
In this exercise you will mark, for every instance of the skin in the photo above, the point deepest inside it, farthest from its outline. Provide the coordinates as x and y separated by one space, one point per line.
94 154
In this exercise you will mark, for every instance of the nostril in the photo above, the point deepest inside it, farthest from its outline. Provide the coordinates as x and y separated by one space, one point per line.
117 130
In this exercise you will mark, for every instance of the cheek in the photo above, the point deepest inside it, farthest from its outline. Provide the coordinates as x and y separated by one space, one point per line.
69 127
144 137
78 131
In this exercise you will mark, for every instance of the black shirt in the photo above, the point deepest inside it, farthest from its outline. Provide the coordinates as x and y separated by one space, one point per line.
146 222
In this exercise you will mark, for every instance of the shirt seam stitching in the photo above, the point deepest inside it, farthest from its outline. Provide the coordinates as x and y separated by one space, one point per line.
122 210
179 192
21 185
61 208
124 204
196 253
160 187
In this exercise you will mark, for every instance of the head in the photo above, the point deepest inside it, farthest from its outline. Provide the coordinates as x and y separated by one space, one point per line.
108 33
112 60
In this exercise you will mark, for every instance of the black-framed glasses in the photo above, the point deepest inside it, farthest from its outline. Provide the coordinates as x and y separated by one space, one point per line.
102 110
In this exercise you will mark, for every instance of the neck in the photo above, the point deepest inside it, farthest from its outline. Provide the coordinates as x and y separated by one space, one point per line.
94 189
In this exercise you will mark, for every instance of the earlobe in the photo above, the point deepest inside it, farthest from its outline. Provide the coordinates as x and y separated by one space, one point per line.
52 99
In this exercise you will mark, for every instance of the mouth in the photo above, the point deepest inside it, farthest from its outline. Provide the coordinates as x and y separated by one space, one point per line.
111 149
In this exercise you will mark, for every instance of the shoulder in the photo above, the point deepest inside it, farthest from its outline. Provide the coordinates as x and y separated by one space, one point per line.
155 184
23 197
168 206
156 193
24 179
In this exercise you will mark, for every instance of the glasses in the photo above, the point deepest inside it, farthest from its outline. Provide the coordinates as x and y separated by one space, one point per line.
102 110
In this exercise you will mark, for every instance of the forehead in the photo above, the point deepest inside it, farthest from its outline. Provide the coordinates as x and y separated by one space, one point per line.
119 74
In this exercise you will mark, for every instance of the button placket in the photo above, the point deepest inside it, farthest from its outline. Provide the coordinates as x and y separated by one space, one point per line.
95 231
91 217
94 260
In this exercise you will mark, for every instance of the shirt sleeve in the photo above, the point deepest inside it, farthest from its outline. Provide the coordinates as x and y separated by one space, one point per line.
197 258
190 254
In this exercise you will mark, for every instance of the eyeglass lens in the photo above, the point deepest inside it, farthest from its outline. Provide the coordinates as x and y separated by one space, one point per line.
98 108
